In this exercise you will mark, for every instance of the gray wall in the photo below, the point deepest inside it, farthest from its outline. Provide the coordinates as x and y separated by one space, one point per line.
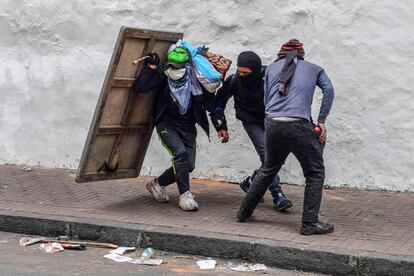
55 54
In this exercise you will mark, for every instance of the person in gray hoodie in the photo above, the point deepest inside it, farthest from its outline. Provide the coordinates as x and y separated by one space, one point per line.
289 87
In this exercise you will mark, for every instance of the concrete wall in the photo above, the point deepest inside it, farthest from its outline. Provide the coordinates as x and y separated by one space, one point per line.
54 55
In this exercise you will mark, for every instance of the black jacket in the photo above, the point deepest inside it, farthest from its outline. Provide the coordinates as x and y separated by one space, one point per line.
152 80
248 102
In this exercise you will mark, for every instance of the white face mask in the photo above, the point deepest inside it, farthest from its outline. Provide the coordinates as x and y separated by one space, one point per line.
176 74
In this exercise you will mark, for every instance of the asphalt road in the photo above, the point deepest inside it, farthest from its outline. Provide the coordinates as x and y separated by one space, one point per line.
30 260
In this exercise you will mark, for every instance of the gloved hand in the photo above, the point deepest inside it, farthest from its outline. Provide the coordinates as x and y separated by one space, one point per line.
153 59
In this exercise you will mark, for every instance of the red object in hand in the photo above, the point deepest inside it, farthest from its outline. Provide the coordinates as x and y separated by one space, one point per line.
317 129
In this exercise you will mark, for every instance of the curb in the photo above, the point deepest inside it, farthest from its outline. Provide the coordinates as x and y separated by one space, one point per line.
279 254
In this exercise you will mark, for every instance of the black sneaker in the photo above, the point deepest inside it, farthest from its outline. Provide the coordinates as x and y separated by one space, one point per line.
318 228
243 214
281 202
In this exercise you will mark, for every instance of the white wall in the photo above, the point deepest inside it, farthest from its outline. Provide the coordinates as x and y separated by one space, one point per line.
54 55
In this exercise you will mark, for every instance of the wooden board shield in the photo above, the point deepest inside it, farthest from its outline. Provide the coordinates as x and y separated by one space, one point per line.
121 127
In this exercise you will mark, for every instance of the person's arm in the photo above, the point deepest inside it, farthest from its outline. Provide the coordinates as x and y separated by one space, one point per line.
217 115
220 101
150 78
267 86
208 100
328 96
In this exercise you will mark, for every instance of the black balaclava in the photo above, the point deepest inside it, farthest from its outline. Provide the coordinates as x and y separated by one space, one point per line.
250 60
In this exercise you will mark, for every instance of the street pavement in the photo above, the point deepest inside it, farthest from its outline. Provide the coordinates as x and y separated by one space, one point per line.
377 222
30 260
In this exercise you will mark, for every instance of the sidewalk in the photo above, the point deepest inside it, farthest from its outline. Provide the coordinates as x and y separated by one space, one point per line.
365 222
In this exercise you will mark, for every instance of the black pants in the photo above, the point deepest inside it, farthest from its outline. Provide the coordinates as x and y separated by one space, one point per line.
180 143
256 134
295 137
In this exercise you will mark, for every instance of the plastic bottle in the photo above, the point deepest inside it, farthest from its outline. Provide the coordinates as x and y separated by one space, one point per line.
147 253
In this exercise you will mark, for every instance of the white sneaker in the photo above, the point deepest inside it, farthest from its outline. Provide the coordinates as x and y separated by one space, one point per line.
187 202
158 192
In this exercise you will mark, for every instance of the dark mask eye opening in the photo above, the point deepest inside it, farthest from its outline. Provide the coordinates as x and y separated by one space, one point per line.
243 74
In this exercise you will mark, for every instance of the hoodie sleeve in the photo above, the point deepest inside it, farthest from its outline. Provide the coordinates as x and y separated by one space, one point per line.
147 81
328 95
223 95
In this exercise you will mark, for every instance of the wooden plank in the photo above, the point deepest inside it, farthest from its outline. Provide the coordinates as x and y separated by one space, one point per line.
157 35
121 127
113 111
121 174
123 82
99 152
118 129
133 48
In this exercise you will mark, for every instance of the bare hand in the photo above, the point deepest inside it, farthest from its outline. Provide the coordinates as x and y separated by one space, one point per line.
324 133
152 66
223 135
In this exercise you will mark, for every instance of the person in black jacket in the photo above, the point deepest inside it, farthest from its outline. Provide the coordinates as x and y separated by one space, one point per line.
246 87
180 103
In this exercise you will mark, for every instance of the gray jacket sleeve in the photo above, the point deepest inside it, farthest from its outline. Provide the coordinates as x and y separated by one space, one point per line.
328 95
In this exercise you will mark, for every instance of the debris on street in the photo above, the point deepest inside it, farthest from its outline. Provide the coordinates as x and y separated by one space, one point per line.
118 258
62 243
121 250
207 264
145 258
52 247
72 246
147 254
25 241
87 243
151 262
185 257
249 267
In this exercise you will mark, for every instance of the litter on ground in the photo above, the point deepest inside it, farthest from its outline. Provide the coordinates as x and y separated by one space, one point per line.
25 241
121 250
118 258
145 258
249 267
52 247
207 264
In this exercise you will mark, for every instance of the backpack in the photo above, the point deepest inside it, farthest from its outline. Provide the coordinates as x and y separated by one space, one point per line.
207 75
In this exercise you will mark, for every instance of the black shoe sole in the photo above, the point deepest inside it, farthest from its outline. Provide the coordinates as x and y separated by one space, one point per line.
284 207
243 218
308 233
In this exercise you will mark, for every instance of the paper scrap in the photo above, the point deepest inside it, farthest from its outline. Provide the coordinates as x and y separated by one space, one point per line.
121 250
51 247
152 262
207 264
249 267
118 258
25 241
